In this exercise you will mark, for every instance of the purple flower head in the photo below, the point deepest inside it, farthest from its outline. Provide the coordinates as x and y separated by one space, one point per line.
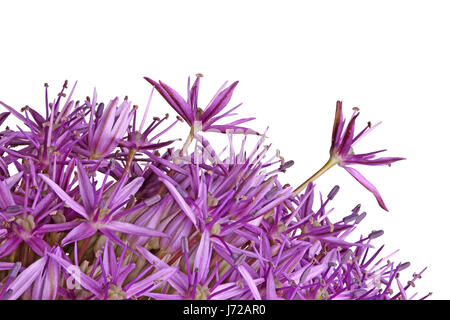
95 206
203 119
342 142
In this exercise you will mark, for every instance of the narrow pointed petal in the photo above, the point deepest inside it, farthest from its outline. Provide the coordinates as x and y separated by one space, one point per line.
38 245
129 228
219 103
337 126
271 293
173 99
201 261
85 186
3 116
11 181
64 196
78 276
9 246
80 232
369 186
51 280
129 190
26 278
57 227
6 198
250 282
160 275
181 202
102 132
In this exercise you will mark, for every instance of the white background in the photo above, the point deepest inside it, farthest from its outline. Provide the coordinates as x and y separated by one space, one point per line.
294 59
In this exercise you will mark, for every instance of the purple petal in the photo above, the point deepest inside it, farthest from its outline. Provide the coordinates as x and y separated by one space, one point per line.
3 116
338 124
202 257
250 282
160 275
6 266
9 246
180 200
104 127
11 181
109 139
347 140
372 162
26 278
6 199
85 186
174 100
38 245
271 293
219 102
79 277
360 178
51 280
130 189
179 280
129 228
64 196
57 227
80 232
17 114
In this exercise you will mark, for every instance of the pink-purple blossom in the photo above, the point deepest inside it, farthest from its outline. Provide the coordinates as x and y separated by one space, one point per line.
95 204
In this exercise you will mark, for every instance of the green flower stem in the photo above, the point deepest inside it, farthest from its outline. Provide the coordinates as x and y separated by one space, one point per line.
329 164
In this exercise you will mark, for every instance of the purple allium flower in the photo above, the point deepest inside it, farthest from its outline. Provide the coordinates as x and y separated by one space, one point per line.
203 119
341 152
93 206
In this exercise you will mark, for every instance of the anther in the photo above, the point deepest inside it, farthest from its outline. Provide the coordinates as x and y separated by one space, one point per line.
356 208
333 192
15 270
360 217
13 209
331 264
184 244
376 234
269 195
286 165
350 218
403 266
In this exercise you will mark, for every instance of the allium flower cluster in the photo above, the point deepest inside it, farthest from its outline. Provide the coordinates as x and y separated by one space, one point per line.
95 205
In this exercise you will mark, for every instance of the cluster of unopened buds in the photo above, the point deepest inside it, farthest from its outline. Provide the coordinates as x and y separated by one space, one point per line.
95 204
